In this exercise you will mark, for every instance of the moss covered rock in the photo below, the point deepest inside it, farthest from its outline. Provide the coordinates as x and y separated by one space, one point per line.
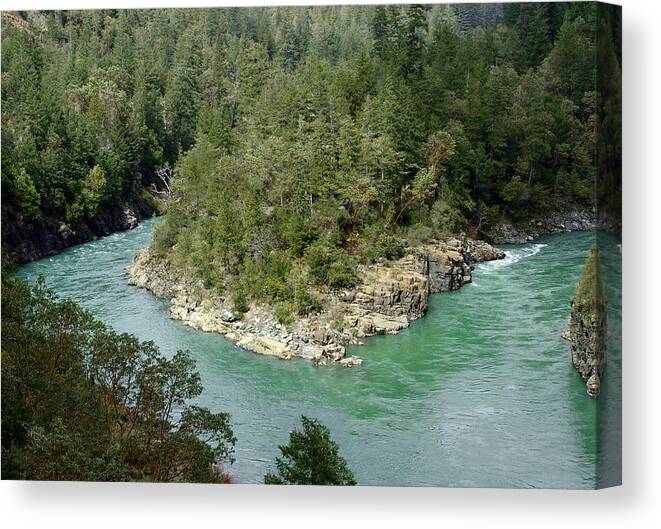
587 329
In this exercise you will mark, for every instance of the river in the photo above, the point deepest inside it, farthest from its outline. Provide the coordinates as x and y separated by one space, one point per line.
480 392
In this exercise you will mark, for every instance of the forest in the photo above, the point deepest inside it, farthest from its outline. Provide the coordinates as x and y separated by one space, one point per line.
389 119
290 145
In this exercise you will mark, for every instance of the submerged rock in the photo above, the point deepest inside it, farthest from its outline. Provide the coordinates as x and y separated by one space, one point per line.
351 361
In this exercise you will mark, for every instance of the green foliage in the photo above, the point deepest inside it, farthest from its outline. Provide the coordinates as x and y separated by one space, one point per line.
310 458
90 195
240 301
165 235
331 266
81 402
590 297
26 194
284 312
383 246
308 138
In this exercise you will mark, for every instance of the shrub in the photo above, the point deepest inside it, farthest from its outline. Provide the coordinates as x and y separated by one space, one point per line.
331 266
384 246
419 234
304 303
299 234
342 274
64 423
240 300
275 288
284 312
445 220
275 270
165 235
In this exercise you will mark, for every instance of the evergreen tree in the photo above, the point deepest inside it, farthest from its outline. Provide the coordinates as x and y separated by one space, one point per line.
310 458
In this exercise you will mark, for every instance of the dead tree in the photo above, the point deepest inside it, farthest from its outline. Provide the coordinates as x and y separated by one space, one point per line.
165 174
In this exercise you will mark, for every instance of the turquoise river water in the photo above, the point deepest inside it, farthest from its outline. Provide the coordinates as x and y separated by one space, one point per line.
480 392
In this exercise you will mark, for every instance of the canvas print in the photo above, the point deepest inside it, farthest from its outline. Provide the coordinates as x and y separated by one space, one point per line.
326 245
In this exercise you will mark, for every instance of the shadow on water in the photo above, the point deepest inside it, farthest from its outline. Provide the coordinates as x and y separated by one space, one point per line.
480 392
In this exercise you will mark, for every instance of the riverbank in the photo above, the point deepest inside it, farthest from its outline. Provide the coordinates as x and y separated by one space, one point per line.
560 222
25 239
392 295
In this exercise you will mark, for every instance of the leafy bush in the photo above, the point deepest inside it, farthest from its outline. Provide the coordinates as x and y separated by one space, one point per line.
445 220
165 235
386 246
304 302
298 233
26 194
342 273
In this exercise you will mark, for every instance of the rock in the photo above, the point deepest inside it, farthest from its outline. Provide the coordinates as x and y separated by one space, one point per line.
393 291
26 239
333 352
479 251
567 221
348 296
65 231
265 345
587 328
374 323
351 361
593 385
226 315
130 219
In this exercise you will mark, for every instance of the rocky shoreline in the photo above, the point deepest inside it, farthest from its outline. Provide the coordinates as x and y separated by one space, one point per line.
509 233
391 296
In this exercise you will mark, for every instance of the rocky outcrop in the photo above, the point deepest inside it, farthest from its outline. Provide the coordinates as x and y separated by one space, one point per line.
25 239
392 294
587 328
507 233
587 338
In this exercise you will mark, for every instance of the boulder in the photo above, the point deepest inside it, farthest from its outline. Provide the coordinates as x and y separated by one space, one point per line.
593 385
226 315
351 361
265 345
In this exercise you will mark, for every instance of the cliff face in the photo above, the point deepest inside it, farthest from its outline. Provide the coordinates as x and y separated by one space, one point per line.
587 328
391 295
25 240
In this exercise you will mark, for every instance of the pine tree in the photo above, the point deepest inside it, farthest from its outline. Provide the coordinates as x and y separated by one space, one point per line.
310 458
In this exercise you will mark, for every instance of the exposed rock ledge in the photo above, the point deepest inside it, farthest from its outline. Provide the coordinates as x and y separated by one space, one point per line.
557 223
392 294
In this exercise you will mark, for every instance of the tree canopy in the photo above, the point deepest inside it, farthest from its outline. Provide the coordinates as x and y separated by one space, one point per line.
305 140
81 402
